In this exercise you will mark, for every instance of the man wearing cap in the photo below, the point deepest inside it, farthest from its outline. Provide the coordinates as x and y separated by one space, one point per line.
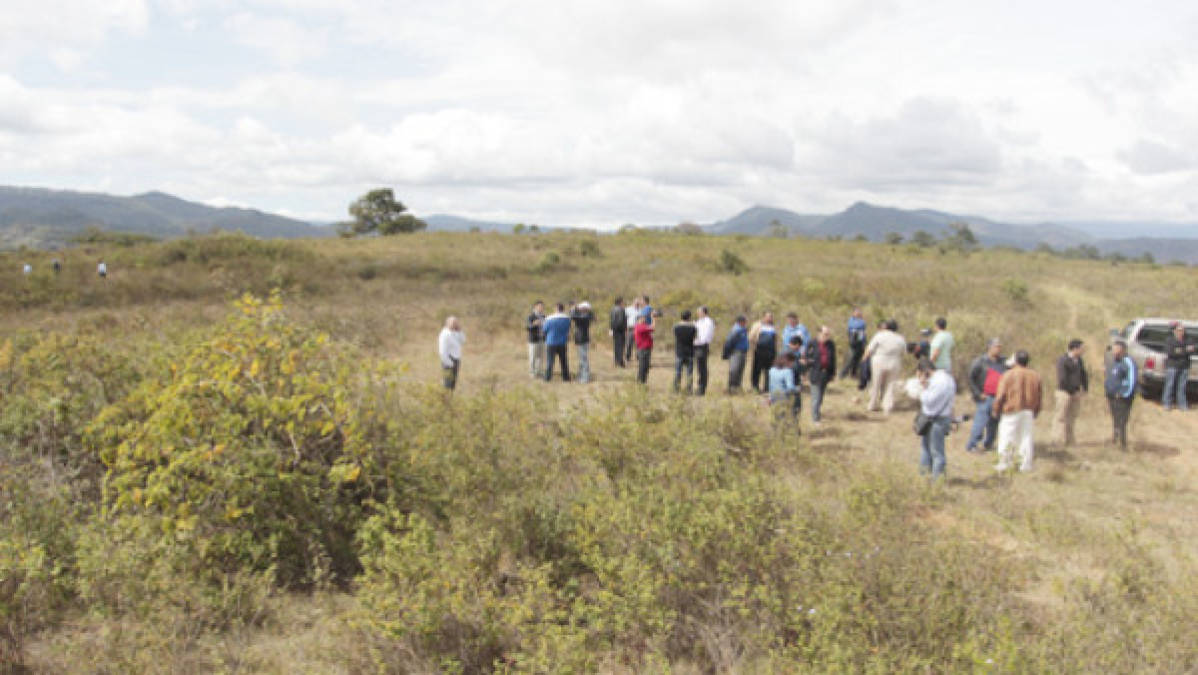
1178 350
1017 401
984 374
1072 384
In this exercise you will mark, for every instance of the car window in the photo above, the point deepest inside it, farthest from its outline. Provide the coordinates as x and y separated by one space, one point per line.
1153 336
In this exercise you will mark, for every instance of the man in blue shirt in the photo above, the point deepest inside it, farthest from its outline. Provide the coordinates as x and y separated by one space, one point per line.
857 339
781 385
1120 385
793 328
557 334
736 347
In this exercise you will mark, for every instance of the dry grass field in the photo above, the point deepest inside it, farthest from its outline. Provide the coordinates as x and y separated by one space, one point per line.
563 527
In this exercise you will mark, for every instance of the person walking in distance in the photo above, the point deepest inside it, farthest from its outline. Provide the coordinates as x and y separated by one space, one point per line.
885 354
1120 386
631 312
684 352
821 368
617 329
582 317
984 374
704 335
856 330
557 336
936 404
736 348
1072 384
1017 402
535 324
942 346
643 335
764 339
449 347
102 269
1178 350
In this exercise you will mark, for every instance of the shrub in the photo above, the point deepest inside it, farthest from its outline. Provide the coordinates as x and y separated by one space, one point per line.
548 262
732 263
589 248
251 453
1016 291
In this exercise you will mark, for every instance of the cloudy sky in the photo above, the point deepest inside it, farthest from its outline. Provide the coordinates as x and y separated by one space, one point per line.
613 111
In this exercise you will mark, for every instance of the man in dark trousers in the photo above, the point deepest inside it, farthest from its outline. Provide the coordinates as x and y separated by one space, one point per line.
534 324
684 352
984 375
643 335
704 335
857 340
1120 385
582 316
557 336
736 347
763 338
821 368
617 328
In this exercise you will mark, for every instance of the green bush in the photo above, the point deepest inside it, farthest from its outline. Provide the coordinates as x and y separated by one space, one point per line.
732 263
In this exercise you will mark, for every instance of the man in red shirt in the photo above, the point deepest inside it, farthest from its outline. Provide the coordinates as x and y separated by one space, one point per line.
643 336
984 374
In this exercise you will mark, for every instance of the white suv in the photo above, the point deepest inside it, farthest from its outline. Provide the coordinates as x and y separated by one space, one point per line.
1145 340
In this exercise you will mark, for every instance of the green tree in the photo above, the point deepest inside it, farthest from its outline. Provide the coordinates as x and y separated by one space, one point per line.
923 239
379 212
894 238
961 238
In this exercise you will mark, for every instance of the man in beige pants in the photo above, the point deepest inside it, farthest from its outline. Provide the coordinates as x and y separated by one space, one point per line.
885 354
1072 384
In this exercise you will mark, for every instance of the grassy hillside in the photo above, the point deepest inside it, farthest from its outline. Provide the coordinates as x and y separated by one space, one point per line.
278 484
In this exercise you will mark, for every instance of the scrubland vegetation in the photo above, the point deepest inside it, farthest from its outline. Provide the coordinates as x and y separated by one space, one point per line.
234 456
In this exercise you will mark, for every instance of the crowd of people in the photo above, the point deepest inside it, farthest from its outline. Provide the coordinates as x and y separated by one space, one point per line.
1007 393
56 268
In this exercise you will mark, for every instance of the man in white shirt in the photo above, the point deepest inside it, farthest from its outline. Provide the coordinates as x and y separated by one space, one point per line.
631 312
936 403
449 346
704 334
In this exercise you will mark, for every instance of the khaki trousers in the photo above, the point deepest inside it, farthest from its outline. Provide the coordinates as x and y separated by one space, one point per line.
884 376
1067 408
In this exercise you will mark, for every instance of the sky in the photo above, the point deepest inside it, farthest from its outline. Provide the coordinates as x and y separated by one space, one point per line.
610 112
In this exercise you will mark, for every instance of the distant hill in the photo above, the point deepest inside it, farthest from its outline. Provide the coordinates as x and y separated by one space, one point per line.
442 222
42 217
875 222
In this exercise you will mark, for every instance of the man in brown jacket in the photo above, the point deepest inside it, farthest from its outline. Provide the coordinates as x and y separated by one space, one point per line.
1017 402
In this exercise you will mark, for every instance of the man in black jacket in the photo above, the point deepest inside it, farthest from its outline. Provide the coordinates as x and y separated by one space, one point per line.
984 374
684 352
582 317
1072 384
821 368
617 328
1178 351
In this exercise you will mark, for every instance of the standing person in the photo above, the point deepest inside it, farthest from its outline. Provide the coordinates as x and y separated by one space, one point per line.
102 269
1017 402
885 355
557 335
535 325
647 310
764 339
56 265
984 374
684 351
936 403
1178 351
449 347
704 335
794 347
644 347
631 312
821 368
617 329
942 346
1072 384
856 330
736 347
582 316
792 328
27 269
1120 385
780 382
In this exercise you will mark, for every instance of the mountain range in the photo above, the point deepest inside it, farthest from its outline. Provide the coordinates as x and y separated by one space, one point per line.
47 218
